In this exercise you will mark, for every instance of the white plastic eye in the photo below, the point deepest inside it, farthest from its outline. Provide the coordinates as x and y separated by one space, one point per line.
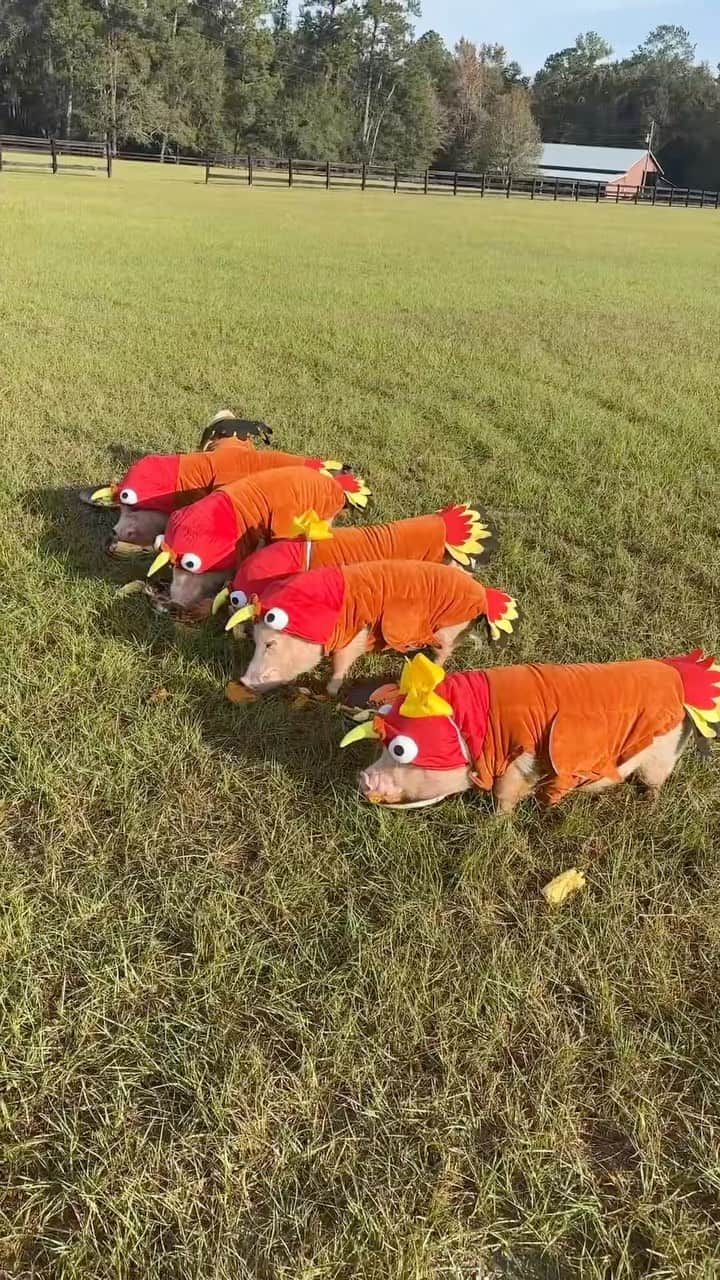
403 749
238 599
128 496
191 562
157 544
277 619
385 709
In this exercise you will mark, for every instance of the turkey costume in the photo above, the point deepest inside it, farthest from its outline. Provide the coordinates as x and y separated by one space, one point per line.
457 531
165 481
581 722
401 603
212 534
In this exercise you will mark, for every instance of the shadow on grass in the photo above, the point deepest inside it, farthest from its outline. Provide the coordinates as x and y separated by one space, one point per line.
73 531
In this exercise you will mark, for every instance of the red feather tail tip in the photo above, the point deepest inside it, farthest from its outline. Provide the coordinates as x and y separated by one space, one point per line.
502 612
700 676
354 488
465 532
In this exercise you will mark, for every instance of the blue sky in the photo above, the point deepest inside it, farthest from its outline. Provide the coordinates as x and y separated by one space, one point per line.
531 30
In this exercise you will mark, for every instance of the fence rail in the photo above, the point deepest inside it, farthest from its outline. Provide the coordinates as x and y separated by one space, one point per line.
269 171
59 155
54 154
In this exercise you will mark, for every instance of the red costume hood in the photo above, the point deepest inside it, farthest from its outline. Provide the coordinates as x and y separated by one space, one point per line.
206 531
307 606
440 741
151 482
265 568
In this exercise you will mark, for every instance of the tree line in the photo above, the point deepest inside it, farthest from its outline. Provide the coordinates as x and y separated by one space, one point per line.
343 80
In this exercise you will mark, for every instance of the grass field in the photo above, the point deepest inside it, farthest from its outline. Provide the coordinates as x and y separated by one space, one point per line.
252 1029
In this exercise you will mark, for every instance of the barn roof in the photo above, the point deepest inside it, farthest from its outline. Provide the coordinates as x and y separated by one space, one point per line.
565 160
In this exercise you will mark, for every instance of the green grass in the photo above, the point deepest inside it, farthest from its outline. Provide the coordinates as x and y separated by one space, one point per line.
251 1028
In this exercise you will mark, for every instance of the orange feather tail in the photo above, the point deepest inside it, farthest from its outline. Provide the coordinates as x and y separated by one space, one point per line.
469 535
502 612
700 676
354 487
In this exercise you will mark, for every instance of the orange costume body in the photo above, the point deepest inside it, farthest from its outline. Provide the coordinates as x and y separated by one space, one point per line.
401 603
166 481
580 722
457 531
230 522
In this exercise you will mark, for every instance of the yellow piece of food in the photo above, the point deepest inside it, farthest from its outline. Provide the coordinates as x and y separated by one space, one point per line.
563 886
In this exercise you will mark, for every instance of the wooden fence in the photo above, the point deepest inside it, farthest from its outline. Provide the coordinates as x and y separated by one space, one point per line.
251 170
55 156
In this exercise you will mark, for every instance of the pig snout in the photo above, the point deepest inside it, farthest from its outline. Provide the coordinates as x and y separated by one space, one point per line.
139 527
387 782
278 659
187 590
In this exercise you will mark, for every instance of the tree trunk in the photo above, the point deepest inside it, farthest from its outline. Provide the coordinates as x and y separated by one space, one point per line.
69 111
368 94
380 119
163 146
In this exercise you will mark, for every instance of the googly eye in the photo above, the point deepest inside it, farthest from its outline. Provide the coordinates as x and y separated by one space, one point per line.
385 709
403 749
191 562
277 619
128 497
238 599
157 544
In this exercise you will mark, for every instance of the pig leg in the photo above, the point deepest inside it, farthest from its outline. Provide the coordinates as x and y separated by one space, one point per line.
654 765
343 660
518 781
446 640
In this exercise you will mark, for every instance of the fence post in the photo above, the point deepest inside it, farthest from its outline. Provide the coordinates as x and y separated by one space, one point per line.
654 193
482 184
395 179
455 183
617 193
555 192
597 193
532 189
717 199
327 175
637 194
290 172
702 198
53 153
363 178
425 186
207 172
508 190
0 157
250 171
687 198
108 156
670 202
576 192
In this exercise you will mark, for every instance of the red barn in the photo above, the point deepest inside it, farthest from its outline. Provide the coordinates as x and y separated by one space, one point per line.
612 167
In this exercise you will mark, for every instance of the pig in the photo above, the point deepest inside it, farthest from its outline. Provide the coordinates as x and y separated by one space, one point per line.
346 611
204 541
160 483
546 729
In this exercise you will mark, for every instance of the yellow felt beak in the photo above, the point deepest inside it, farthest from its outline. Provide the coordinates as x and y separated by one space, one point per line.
104 497
247 612
221 598
161 559
366 730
